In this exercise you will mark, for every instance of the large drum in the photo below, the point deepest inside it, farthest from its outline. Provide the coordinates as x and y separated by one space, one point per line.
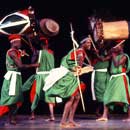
15 23
24 22
111 30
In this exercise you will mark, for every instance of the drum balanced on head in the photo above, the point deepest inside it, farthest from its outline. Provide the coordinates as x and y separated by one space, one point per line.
111 30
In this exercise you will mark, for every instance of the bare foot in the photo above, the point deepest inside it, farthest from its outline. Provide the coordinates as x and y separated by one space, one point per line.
73 123
12 122
64 125
51 119
32 118
7 124
105 119
126 120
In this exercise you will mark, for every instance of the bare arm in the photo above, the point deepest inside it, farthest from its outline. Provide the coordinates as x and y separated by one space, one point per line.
120 62
19 63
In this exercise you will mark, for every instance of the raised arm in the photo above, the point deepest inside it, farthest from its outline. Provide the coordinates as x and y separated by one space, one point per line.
122 61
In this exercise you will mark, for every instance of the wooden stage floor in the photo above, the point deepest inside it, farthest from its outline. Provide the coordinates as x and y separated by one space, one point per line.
87 122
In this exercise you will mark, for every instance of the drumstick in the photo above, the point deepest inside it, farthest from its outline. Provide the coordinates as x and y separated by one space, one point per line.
92 42
119 43
40 53
75 56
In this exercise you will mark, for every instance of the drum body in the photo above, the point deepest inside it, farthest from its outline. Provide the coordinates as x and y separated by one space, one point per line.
111 30
22 22
15 23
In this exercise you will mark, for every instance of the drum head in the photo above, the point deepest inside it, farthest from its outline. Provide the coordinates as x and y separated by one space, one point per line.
49 27
15 23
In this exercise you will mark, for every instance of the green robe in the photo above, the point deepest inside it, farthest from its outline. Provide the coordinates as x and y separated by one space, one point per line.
100 80
46 64
67 85
7 99
116 89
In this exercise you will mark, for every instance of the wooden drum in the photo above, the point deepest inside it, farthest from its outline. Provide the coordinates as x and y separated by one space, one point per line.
111 30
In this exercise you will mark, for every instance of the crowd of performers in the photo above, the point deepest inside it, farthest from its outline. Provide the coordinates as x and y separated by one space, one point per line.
109 81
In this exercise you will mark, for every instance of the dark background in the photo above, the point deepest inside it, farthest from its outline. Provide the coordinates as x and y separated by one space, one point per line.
64 12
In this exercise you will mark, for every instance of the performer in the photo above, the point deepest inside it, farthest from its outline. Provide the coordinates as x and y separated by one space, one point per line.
118 89
11 92
62 83
99 79
36 81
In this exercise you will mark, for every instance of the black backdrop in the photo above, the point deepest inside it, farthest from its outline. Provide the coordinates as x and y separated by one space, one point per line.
63 12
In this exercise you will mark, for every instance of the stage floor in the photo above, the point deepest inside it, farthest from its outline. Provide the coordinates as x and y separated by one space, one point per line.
87 122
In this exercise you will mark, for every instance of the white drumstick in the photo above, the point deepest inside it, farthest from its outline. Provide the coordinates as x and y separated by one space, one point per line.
92 42
119 43
39 58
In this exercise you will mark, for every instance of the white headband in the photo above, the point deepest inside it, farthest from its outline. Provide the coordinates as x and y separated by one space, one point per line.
85 39
17 39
